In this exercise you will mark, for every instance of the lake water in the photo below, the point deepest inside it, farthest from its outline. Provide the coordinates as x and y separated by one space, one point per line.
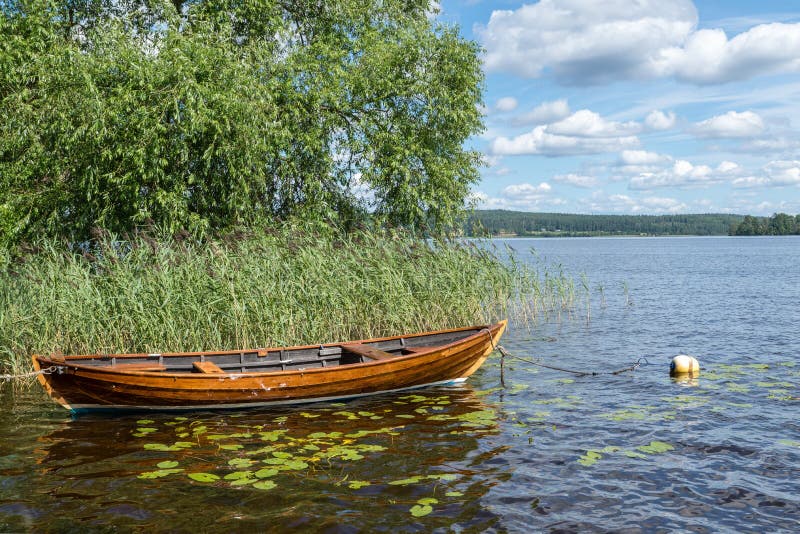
549 452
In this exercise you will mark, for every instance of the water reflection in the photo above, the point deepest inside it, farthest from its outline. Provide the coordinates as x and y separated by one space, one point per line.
425 454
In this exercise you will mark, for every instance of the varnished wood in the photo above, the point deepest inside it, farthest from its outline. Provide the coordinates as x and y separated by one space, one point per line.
268 375
207 367
145 366
417 350
368 352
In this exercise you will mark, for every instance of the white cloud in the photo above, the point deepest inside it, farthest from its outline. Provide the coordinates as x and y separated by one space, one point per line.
776 144
539 141
784 172
525 197
658 120
578 180
641 161
582 42
731 124
586 123
506 104
684 174
527 190
544 113
642 157
600 203
774 174
583 132
708 56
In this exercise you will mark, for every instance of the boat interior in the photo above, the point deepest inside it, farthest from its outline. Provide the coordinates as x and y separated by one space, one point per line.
270 360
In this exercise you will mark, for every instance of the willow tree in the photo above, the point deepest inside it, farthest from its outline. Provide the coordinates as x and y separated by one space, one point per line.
217 113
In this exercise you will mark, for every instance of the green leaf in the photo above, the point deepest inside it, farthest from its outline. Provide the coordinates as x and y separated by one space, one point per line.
656 447
420 510
203 477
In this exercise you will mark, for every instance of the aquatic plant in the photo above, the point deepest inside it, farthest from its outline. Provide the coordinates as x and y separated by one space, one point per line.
274 287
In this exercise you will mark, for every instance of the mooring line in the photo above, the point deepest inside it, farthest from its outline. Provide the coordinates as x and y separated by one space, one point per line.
505 354
46 371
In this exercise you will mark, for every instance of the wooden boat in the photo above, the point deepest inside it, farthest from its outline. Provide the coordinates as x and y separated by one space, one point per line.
267 376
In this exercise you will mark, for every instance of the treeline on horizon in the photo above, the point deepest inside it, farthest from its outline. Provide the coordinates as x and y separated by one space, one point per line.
778 224
503 222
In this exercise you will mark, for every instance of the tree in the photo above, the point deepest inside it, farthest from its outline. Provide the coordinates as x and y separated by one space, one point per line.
211 114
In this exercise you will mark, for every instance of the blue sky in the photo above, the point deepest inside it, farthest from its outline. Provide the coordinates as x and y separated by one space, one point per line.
638 106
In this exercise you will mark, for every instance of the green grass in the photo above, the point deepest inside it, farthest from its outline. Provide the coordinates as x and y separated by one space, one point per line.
277 287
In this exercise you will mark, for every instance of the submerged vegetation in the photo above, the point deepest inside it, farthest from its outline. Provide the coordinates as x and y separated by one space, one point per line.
273 287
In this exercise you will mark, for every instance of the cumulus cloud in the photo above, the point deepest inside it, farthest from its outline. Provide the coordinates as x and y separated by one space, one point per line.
525 197
527 190
586 123
774 174
580 43
506 104
544 113
601 203
642 157
583 132
641 161
684 174
708 56
578 180
658 120
775 144
731 125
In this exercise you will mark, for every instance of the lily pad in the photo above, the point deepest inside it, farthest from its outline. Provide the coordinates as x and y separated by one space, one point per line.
266 472
656 447
203 477
158 474
421 510
241 462
167 464
238 475
590 458
358 484
264 485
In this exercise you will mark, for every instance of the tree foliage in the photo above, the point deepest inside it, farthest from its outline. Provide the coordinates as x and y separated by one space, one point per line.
210 114
778 224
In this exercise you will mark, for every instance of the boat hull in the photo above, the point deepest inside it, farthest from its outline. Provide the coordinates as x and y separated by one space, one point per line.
80 386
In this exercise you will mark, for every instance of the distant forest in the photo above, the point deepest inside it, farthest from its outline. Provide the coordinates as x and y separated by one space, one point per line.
520 223
502 222
778 224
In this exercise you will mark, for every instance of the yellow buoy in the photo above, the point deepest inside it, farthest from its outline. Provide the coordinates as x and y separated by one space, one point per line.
683 364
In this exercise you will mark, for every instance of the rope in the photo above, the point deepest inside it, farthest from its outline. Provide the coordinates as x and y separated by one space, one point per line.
506 354
46 371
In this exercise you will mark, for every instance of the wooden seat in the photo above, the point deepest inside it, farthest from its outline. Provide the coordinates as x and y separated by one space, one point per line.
207 367
368 352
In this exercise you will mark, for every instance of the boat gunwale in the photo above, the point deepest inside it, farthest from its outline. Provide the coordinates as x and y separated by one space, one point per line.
111 370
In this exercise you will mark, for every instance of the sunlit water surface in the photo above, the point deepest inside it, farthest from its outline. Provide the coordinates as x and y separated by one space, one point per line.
548 452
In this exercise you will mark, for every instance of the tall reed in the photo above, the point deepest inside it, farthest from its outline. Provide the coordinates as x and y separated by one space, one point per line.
269 288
